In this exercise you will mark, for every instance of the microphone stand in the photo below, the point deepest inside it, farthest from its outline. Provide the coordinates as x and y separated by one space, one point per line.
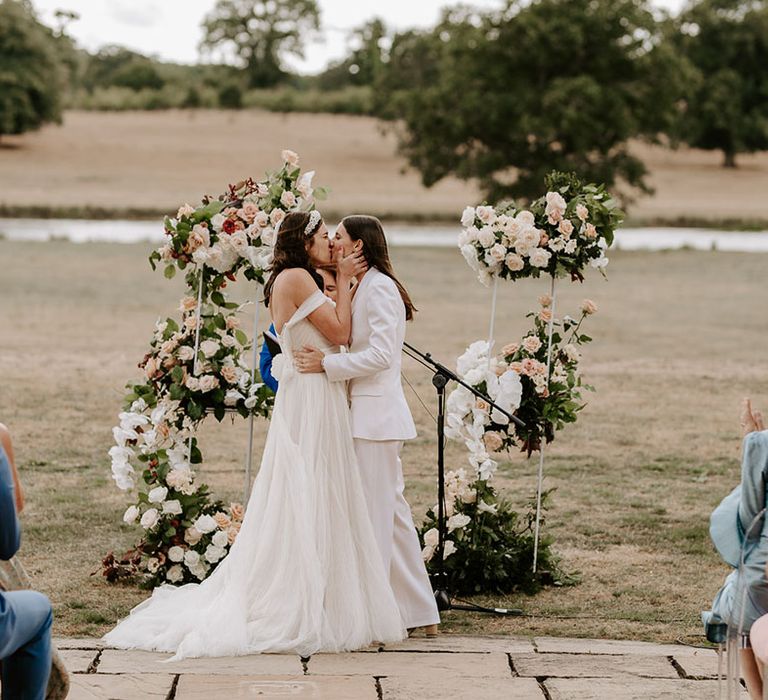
440 378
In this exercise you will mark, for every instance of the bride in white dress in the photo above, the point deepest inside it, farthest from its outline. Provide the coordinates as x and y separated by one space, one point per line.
304 574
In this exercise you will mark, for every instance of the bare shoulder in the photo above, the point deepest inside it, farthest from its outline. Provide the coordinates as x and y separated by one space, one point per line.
294 281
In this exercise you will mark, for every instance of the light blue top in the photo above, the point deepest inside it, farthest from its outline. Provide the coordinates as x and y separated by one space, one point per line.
738 523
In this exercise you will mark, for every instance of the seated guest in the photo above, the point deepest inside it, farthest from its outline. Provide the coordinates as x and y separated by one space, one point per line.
271 347
26 617
739 525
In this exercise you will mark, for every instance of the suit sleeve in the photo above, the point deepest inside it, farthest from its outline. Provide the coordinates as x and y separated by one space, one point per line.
383 318
10 531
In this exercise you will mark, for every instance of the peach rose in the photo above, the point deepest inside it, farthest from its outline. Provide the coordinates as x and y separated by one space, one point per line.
582 212
232 532
588 307
590 231
237 511
248 212
545 300
276 216
261 219
565 227
545 315
290 157
151 368
288 199
229 374
493 441
510 349
222 520
531 343
233 322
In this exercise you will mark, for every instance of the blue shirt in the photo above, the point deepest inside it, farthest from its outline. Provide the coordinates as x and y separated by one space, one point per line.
10 530
265 364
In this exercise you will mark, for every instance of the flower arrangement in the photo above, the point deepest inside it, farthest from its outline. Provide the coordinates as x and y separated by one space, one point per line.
518 378
555 235
489 547
186 533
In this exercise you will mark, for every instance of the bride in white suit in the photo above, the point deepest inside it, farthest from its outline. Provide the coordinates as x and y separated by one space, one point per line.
304 574
381 419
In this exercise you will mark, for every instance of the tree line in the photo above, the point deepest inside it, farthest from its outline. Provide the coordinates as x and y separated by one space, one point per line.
500 97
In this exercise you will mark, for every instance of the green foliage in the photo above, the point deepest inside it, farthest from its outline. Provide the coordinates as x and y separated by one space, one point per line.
494 550
726 102
505 97
259 33
31 77
349 100
365 62
231 96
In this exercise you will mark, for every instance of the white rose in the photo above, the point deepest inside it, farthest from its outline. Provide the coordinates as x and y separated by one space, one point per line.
217 221
192 536
449 547
174 574
458 521
304 184
214 553
185 353
157 494
555 208
470 255
153 564
185 210
540 257
205 524
486 237
130 515
498 253
232 397
172 507
484 507
176 553
261 220
191 558
514 262
288 199
468 217
431 537
192 383
599 263
276 217
209 347
570 247
525 219
150 518
208 383
486 215
220 539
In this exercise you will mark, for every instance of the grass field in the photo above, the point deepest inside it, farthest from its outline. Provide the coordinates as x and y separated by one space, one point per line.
153 161
679 339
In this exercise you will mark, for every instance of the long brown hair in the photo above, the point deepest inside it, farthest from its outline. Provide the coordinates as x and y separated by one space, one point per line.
369 230
291 249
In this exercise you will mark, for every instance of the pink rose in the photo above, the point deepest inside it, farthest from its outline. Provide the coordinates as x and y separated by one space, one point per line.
248 212
276 216
531 343
545 315
290 157
565 227
230 374
261 219
582 212
510 349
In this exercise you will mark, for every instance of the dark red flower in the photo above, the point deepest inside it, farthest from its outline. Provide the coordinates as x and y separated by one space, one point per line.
228 226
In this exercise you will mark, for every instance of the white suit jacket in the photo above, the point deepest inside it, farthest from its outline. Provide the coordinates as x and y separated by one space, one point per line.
372 365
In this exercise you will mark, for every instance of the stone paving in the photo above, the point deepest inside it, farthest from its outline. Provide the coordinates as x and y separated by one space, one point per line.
449 667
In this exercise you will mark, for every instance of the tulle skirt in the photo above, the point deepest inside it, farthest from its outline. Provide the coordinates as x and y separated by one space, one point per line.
305 574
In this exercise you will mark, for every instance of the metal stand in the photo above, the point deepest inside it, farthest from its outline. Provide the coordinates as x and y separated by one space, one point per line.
442 375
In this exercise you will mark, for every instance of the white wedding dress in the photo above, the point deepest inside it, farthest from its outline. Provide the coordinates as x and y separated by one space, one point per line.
304 574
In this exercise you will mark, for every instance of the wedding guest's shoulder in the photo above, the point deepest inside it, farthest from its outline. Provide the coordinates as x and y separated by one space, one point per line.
756 440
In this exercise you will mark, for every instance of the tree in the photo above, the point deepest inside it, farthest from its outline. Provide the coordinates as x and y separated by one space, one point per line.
726 107
506 97
121 67
30 75
363 64
261 33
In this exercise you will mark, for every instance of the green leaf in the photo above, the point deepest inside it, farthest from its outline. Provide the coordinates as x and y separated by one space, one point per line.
170 271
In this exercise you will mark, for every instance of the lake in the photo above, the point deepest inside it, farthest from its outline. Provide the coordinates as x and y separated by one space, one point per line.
442 236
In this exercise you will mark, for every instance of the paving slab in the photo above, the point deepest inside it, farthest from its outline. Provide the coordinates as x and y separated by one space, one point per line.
412 664
592 666
144 686
701 666
460 688
78 660
615 689
557 645
457 643
118 661
276 687
77 643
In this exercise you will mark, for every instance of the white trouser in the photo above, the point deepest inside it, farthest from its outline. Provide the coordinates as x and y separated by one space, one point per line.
382 474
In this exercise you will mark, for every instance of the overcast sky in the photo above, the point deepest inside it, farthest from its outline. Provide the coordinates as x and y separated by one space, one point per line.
170 29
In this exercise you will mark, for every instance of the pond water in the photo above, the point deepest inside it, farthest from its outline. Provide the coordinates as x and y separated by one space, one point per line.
439 236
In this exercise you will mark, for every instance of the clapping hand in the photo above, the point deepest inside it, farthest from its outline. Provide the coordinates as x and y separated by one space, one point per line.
751 419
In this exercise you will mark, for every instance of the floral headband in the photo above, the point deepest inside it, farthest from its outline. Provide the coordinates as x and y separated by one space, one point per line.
313 223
